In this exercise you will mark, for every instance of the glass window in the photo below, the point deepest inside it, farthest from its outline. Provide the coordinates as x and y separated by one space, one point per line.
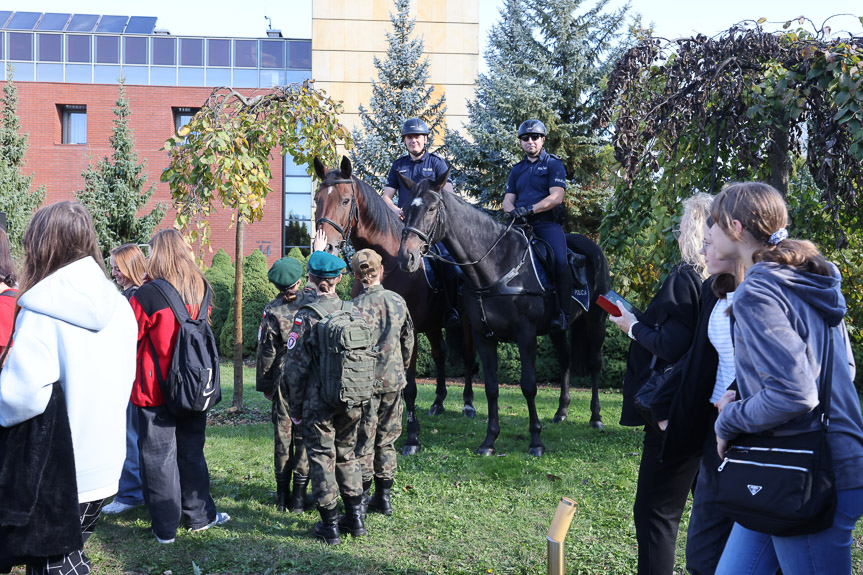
50 47
245 78
20 46
134 50
2 44
218 77
297 76
163 76
78 48
192 76
79 73
291 169
108 49
183 116
246 53
49 72
107 74
300 55
270 78
297 234
299 206
74 124
218 52
191 52
138 75
272 54
164 51
24 71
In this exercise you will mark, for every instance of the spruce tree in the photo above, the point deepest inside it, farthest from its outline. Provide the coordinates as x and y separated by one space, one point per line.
16 197
114 189
400 92
546 60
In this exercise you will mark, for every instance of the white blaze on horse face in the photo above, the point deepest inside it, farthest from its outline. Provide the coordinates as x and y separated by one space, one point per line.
417 202
329 190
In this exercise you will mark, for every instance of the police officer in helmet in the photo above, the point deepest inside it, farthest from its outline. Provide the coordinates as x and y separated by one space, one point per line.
535 188
418 164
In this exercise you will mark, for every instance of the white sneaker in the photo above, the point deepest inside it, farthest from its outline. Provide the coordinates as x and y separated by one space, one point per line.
163 541
220 519
117 507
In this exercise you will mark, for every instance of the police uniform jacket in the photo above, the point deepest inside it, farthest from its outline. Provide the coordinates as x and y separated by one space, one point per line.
301 361
430 166
273 337
530 182
387 314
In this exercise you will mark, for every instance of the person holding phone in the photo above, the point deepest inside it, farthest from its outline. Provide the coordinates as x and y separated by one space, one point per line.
663 331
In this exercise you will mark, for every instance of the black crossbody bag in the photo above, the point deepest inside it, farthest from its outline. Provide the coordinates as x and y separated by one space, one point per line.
783 485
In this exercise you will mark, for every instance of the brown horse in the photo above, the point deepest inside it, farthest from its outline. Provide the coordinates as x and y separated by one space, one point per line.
349 209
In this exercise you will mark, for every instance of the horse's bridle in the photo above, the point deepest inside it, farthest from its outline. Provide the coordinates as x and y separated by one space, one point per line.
342 246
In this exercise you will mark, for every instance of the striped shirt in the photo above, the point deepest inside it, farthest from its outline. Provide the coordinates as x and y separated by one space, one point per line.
719 333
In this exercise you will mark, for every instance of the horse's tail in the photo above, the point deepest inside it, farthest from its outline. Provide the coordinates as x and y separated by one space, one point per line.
587 332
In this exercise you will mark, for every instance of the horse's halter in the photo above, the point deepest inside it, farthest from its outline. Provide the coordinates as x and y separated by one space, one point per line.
352 214
429 238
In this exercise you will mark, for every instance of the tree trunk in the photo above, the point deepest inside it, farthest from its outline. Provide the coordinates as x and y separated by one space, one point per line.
779 161
238 317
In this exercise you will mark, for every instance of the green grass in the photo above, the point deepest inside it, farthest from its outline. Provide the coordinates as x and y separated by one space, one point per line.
455 512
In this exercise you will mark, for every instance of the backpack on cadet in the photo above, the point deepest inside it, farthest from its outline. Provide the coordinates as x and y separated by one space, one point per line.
192 383
347 359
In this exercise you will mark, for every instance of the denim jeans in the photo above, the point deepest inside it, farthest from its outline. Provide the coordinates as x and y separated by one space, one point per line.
174 473
751 553
129 491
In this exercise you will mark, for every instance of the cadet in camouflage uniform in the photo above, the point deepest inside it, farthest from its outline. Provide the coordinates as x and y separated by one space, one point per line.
330 434
289 453
387 314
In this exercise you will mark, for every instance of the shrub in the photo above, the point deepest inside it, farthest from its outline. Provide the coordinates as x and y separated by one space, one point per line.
221 278
257 293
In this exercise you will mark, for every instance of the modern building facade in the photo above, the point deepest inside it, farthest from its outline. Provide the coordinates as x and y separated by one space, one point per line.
67 68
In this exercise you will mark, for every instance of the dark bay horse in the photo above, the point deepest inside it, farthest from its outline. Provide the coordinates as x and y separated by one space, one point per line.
350 209
504 300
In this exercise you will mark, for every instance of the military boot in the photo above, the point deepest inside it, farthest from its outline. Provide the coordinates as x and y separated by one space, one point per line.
563 293
380 501
367 496
328 527
283 490
352 521
298 495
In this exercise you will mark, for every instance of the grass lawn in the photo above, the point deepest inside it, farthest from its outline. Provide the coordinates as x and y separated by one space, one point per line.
455 512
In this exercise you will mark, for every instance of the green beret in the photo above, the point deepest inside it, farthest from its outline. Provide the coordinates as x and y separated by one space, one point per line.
324 265
285 272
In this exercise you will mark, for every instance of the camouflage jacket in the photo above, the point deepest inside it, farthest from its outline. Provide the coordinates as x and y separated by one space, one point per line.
301 362
273 337
387 314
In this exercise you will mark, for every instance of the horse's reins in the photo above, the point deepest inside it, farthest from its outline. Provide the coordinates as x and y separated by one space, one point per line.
352 213
428 238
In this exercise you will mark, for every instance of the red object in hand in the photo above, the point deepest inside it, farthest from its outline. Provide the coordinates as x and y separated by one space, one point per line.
608 302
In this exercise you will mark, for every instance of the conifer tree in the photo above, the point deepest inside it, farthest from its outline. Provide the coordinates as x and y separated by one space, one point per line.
114 189
17 200
401 91
546 60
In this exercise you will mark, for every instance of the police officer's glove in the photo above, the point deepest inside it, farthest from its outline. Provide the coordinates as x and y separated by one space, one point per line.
521 212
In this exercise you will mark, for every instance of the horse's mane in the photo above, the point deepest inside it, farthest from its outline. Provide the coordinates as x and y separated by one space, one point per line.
381 216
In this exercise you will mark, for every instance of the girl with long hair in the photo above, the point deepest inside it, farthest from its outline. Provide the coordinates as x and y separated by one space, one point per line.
787 306
176 481
69 316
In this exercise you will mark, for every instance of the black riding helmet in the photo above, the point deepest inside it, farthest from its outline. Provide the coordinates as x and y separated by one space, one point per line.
532 127
414 126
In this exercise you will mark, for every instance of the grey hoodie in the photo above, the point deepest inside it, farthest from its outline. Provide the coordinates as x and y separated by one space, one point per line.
781 316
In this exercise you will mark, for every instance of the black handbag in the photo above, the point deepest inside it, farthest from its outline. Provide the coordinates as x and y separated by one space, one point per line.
644 397
782 485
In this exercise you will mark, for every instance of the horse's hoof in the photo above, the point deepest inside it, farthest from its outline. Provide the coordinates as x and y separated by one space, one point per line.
537 451
411 449
486 451
436 409
468 411
597 425
559 418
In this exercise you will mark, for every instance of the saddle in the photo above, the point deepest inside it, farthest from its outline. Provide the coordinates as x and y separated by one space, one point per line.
542 253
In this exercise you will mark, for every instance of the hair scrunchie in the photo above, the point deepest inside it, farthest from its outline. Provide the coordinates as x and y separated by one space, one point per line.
777 236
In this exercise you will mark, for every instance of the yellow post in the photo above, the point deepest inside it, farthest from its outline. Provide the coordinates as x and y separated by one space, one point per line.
557 533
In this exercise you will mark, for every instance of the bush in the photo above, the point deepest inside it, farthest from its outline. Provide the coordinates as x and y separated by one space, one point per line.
257 293
221 278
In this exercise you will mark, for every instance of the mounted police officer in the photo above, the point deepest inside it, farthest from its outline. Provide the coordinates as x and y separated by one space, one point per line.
418 164
330 434
289 454
534 194
392 330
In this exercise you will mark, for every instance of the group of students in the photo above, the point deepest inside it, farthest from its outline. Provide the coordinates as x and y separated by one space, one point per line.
79 343
742 323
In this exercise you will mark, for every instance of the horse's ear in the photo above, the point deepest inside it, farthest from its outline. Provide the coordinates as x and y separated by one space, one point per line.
345 168
439 183
407 182
320 171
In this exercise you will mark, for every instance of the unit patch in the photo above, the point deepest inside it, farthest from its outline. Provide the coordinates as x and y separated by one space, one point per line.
292 339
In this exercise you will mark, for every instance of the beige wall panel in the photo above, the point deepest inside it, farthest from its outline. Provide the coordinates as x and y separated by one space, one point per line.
321 65
452 38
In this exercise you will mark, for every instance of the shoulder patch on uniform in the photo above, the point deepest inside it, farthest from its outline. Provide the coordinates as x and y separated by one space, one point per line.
292 339
298 321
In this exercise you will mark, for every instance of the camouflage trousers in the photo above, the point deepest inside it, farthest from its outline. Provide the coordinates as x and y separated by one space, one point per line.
331 442
379 429
289 453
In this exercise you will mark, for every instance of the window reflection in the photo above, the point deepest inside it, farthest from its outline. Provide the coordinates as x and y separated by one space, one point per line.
108 49
134 50
218 52
77 48
50 47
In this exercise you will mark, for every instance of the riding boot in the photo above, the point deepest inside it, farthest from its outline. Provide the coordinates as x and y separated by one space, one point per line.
367 485
380 501
563 294
298 495
352 521
328 527
283 490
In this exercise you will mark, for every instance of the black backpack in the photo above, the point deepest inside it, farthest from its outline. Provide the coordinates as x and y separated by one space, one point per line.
192 383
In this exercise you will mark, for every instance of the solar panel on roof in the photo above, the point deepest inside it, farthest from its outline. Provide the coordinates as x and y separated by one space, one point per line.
82 23
112 24
141 25
53 22
24 20
4 17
